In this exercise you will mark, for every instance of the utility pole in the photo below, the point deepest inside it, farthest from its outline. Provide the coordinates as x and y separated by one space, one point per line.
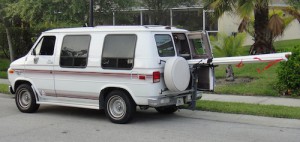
91 13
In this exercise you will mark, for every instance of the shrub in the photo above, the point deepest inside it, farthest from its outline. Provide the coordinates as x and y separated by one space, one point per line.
3 74
289 74
4 64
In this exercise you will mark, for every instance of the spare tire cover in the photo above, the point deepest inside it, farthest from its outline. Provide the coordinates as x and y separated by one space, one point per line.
177 74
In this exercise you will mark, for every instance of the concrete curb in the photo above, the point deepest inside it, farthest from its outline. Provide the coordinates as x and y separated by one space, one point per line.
253 100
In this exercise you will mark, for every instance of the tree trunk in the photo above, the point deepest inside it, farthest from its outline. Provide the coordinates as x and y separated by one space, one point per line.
5 53
262 43
8 35
10 46
229 73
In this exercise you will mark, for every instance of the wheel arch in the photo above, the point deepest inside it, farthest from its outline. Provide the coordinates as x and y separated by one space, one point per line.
106 90
20 82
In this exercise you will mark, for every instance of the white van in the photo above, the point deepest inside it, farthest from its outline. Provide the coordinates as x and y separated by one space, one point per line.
115 68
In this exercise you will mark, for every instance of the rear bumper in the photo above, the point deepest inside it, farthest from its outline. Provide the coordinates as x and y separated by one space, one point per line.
11 90
172 100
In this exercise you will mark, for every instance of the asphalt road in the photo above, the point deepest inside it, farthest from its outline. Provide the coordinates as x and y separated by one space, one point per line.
63 124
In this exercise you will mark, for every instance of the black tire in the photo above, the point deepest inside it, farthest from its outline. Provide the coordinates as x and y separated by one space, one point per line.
119 107
167 109
25 99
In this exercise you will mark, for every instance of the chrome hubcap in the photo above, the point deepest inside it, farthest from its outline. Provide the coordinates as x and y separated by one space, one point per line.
24 98
116 107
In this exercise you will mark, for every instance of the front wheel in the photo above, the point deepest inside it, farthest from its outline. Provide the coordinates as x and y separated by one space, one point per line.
25 99
167 109
119 107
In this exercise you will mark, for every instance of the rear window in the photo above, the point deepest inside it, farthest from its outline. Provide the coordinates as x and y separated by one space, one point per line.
164 45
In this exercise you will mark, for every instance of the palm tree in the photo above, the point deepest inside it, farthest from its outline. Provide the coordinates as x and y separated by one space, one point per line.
228 46
278 21
262 33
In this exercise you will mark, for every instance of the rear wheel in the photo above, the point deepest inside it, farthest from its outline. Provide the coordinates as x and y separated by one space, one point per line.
167 109
119 107
25 99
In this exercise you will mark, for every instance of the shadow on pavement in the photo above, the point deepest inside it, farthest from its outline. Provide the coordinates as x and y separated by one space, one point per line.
141 116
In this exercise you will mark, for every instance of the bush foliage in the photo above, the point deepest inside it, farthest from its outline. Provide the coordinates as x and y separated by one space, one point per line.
4 64
289 74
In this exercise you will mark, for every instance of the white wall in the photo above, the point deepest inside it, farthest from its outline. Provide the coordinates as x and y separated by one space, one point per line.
229 23
292 31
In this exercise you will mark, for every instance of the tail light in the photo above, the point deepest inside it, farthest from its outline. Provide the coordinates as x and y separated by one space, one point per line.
156 76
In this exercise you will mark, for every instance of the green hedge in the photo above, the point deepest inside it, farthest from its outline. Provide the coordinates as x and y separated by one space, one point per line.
4 64
289 74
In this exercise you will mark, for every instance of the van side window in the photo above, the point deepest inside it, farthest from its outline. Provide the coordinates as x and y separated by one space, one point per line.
74 51
45 46
164 45
118 51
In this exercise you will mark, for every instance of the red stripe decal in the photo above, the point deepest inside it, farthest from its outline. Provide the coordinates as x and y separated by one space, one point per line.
87 73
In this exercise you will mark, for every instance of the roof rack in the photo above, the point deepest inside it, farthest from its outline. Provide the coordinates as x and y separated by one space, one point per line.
157 26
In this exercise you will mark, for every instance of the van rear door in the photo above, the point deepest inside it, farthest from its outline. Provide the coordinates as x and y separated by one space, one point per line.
201 52
203 58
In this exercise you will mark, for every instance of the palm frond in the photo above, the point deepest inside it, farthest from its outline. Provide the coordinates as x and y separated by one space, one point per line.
293 12
219 6
228 46
246 7
276 25
244 24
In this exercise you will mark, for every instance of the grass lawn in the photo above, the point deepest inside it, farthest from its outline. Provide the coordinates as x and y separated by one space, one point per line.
261 83
4 64
3 74
250 109
280 46
4 88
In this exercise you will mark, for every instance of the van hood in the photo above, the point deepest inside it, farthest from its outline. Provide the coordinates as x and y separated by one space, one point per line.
18 64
